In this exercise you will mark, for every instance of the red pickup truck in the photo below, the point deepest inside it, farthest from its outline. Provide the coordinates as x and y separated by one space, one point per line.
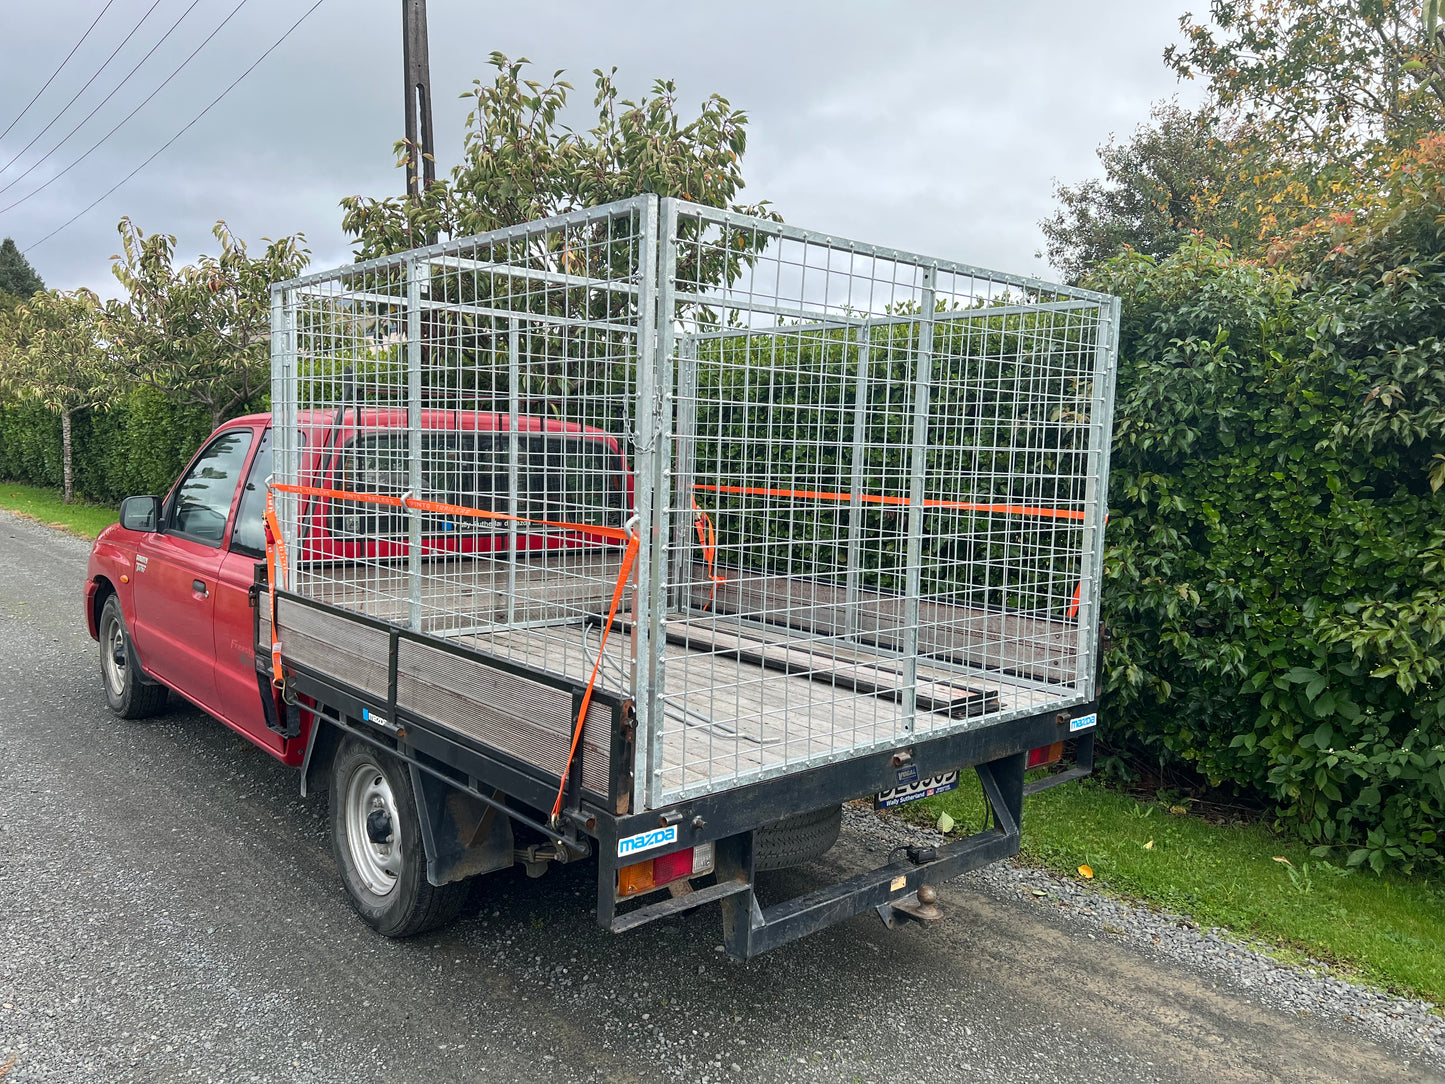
176 595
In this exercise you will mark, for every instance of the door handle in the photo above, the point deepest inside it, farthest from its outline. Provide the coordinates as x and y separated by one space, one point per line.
200 588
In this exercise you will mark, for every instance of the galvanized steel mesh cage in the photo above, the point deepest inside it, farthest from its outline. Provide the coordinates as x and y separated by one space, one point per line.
868 487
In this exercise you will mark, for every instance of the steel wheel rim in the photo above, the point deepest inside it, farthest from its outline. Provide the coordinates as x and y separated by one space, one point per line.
113 657
378 865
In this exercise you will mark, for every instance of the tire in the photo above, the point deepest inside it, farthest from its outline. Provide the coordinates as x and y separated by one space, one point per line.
127 691
377 840
797 839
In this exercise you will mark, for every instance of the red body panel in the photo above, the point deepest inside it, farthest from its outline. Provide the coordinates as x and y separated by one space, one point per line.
199 642
170 622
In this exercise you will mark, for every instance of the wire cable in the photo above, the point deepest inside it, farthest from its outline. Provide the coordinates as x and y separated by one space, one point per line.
214 102
123 120
46 156
83 89
58 70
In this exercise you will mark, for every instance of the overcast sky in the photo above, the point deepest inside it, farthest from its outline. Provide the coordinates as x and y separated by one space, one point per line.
934 127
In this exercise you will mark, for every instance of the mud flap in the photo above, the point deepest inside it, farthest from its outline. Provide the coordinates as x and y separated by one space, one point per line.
463 836
287 724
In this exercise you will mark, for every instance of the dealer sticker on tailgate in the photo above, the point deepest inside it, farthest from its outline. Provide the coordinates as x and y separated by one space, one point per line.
911 792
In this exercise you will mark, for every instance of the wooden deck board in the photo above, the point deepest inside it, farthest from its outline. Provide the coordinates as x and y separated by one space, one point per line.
770 686
729 716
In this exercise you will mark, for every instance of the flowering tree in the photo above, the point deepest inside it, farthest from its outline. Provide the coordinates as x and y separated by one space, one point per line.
52 355
199 333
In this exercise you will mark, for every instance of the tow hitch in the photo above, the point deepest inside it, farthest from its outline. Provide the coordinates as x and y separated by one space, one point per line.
920 906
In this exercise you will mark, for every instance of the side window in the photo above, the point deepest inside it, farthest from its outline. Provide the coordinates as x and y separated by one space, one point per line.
202 499
249 534
371 464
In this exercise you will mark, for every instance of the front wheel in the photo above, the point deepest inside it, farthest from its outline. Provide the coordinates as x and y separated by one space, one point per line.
377 840
127 692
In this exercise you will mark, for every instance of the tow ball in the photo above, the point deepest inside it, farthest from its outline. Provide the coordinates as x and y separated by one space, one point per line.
920 906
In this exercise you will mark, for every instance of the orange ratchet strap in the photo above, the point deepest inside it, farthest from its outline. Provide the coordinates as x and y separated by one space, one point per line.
275 555
615 534
707 541
628 556
878 498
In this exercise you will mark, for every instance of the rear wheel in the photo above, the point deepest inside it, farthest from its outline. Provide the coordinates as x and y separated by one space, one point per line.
126 691
377 840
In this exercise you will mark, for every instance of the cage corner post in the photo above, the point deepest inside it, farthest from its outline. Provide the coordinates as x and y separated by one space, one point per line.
285 393
414 270
917 491
1096 494
650 474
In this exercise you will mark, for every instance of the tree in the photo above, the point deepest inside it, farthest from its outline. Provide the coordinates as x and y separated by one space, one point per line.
1166 182
1334 82
54 358
1306 101
17 277
520 163
198 333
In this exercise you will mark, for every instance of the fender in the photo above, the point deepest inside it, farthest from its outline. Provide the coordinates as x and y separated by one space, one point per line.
114 564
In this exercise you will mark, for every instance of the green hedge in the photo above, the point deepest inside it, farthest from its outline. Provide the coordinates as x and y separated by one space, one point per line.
138 446
1276 562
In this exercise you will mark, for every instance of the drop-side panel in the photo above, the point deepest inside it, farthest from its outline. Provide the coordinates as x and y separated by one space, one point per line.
527 719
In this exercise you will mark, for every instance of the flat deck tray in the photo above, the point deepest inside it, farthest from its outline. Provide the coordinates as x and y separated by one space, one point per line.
818 662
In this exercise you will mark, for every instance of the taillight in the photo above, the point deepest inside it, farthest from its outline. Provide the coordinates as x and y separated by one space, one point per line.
653 873
1046 754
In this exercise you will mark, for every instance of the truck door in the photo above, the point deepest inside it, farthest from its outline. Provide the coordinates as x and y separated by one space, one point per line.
239 696
176 570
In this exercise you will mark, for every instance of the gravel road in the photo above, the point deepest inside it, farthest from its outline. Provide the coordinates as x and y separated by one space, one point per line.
169 911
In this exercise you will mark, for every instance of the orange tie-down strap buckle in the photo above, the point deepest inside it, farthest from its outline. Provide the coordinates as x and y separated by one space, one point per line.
276 554
707 541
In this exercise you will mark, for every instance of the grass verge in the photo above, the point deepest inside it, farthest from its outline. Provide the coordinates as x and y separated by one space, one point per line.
46 506
1388 931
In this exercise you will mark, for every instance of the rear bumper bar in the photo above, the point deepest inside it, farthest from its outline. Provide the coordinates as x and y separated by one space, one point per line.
749 930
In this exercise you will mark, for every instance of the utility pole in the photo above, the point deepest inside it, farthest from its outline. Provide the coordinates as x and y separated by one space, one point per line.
421 168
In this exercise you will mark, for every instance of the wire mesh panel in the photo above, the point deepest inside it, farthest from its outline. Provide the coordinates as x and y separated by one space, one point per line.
884 509
455 431
865 490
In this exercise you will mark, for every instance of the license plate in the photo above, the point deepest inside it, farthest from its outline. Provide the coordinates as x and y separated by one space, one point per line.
911 792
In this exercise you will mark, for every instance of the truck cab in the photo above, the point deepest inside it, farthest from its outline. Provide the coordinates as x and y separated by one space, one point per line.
169 590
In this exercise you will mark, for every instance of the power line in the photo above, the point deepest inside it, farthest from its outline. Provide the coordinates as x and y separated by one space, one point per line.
46 156
93 147
83 89
58 70
214 102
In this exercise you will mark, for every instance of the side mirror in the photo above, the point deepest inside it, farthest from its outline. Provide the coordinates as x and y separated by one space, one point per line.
140 513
